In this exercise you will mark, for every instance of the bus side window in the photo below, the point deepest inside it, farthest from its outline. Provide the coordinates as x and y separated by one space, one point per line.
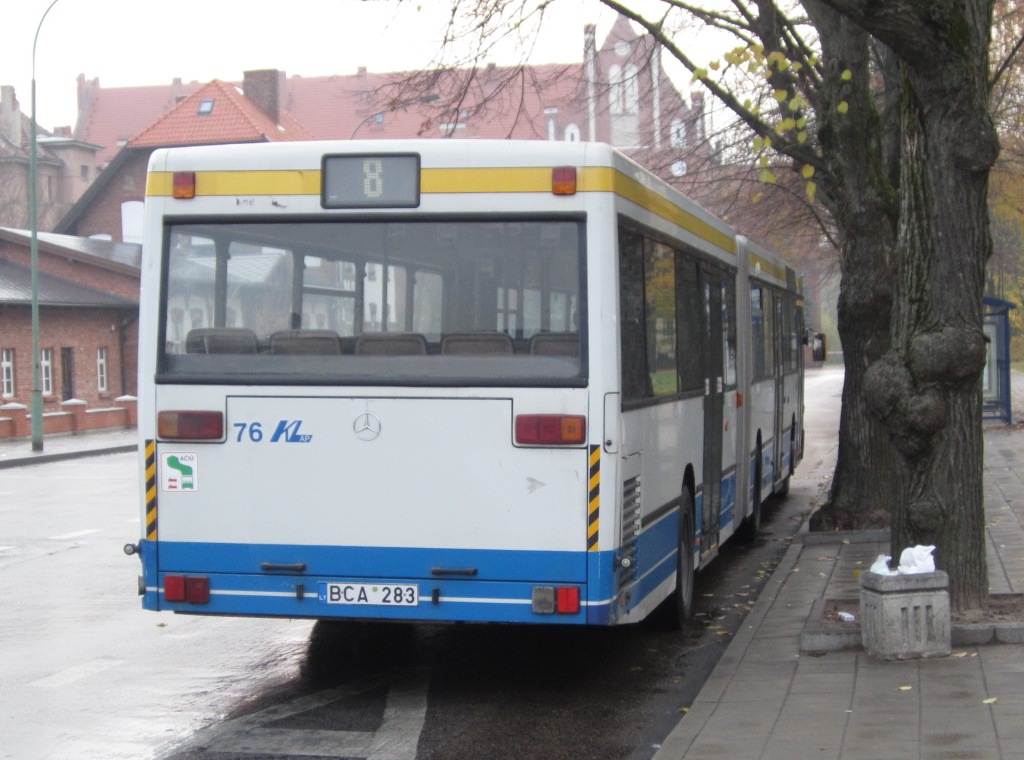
631 312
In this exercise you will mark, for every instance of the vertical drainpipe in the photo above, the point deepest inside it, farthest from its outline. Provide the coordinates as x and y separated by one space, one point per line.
590 64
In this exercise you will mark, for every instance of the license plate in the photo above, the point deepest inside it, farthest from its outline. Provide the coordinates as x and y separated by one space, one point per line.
372 594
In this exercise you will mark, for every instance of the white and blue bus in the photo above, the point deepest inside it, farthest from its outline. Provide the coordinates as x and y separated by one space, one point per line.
521 382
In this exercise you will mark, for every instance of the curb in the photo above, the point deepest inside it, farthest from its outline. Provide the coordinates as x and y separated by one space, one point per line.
59 456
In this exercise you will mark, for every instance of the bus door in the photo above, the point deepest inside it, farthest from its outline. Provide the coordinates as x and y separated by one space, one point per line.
712 281
780 335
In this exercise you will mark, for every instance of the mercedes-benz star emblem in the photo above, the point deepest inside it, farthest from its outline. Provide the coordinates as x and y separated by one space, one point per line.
366 426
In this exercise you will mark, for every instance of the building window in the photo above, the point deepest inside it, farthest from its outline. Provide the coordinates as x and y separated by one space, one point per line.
572 133
85 173
205 107
7 371
677 133
101 369
616 96
46 370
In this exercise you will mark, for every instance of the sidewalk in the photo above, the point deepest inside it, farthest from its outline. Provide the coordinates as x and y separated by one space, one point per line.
55 448
767 700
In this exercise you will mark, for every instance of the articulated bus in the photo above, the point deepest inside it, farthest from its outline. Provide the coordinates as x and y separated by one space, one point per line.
444 381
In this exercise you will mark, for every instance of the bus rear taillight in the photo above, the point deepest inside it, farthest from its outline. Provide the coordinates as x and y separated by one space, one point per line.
194 589
190 426
551 429
549 600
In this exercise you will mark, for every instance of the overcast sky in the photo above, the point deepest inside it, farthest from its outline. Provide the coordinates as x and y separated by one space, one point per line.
146 42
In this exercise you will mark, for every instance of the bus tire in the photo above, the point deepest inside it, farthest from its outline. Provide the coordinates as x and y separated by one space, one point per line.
677 609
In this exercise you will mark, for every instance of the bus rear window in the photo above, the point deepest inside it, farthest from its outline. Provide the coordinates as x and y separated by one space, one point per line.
374 302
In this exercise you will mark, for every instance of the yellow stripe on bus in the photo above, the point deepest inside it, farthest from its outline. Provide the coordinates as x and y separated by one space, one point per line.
151 523
278 182
594 505
594 179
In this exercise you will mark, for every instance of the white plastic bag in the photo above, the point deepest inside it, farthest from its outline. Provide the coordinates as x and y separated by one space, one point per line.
917 559
881 566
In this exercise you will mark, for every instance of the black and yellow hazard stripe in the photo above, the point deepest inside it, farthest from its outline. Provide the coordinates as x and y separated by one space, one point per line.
594 504
151 490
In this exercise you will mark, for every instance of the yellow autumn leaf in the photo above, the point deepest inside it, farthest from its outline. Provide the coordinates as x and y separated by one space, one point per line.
768 177
810 189
801 137
990 701
906 688
779 95
807 171
843 107
846 76
715 65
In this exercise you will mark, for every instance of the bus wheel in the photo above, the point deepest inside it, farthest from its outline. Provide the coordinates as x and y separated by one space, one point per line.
677 610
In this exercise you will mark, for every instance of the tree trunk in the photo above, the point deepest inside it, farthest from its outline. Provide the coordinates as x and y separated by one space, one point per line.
926 389
857 147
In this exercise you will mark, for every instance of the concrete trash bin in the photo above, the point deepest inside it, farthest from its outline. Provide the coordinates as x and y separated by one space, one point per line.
905 616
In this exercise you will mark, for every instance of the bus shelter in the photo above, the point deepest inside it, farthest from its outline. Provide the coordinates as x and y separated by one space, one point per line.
996 379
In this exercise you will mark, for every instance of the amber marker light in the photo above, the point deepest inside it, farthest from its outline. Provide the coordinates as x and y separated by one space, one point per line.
563 180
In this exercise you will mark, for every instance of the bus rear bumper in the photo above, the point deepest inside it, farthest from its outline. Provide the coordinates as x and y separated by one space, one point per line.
436 601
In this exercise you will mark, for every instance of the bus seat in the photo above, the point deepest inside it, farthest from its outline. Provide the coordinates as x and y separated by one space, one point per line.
293 342
555 344
221 340
391 344
478 344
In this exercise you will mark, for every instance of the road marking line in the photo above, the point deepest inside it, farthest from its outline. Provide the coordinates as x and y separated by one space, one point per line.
75 534
396 739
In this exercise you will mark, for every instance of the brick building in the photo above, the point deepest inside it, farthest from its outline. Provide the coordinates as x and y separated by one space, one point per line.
88 294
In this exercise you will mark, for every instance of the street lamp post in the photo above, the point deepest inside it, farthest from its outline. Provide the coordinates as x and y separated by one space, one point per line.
33 213
396 107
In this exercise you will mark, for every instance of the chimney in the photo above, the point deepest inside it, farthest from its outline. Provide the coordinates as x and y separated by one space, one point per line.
265 88
10 115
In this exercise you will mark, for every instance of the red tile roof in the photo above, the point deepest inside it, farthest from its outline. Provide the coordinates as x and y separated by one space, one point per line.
232 118
112 116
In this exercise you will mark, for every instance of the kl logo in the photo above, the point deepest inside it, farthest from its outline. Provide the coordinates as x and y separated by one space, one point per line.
288 431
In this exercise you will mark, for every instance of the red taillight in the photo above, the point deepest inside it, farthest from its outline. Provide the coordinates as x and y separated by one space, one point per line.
190 426
194 589
174 588
567 600
563 180
551 429
184 185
